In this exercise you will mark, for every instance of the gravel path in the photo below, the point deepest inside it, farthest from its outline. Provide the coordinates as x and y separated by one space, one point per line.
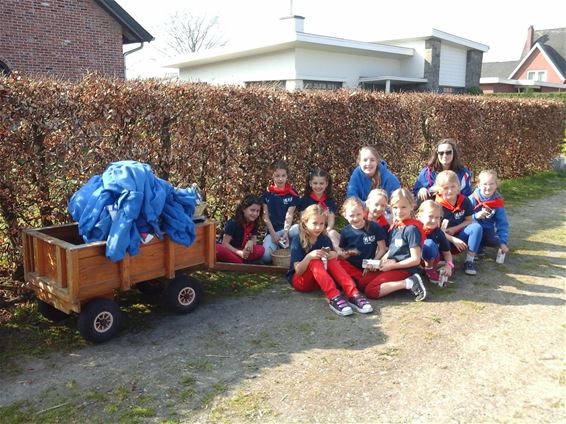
488 348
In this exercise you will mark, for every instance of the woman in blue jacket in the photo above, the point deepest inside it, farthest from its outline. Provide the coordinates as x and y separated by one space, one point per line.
446 156
371 172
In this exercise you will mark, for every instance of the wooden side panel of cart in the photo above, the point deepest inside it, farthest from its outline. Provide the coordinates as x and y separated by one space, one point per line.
67 273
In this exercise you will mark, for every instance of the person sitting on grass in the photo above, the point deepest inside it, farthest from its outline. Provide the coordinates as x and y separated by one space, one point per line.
239 241
314 266
489 212
399 267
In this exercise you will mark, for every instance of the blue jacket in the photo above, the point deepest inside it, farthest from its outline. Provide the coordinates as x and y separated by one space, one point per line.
427 177
497 223
360 184
127 200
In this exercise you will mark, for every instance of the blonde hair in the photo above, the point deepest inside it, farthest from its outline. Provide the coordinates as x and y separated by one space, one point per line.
430 204
312 210
446 177
488 173
376 192
376 179
402 194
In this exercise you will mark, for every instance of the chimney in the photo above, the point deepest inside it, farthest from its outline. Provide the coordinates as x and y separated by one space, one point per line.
294 23
529 42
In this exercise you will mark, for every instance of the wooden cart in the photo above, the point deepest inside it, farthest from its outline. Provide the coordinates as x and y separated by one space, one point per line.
69 275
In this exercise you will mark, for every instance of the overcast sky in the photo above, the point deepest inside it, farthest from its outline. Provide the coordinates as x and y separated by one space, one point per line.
500 24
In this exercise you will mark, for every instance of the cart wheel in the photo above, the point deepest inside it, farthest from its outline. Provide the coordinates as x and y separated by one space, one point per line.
99 320
151 287
183 294
50 312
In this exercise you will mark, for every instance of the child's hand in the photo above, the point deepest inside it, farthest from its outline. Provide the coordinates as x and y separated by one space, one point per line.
460 245
422 194
450 231
483 214
387 265
446 270
275 238
332 255
504 248
241 253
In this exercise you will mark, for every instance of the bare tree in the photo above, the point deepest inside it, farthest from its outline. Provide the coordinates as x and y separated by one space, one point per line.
187 33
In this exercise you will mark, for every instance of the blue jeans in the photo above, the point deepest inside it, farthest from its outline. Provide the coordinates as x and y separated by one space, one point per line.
472 236
490 238
430 250
270 246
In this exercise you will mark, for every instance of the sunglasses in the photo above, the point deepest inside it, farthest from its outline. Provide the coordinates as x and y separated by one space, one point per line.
447 153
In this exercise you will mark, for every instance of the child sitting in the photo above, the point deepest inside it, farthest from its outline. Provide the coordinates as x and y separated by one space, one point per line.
376 204
489 212
457 209
360 239
430 214
314 266
280 201
240 234
400 265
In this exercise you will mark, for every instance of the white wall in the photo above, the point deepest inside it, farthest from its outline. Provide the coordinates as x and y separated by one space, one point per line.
272 66
413 67
452 66
348 68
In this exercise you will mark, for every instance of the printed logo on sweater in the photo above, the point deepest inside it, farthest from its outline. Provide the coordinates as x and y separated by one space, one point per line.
458 215
369 239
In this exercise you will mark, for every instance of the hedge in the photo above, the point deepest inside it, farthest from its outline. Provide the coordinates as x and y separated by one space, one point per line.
57 134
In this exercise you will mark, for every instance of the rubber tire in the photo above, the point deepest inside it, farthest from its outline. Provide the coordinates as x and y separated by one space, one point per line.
99 312
183 294
151 287
50 312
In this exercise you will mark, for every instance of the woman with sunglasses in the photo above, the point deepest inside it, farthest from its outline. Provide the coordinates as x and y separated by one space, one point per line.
446 156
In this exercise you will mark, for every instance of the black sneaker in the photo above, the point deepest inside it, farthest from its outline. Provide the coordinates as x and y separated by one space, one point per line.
360 304
470 268
340 306
418 289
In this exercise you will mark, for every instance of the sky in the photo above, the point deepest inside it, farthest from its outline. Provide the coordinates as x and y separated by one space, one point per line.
500 24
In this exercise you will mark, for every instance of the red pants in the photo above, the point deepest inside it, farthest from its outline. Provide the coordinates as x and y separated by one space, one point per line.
352 270
225 255
316 277
371 283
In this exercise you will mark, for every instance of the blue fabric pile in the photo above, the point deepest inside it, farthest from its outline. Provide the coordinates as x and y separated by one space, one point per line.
128 200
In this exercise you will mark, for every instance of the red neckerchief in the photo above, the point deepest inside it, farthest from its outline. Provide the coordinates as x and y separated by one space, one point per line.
381 220
319 201
248 228
446 204
493 203
410 221
282 191
427 231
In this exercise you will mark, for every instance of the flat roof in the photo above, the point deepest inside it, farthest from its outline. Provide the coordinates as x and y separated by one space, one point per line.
298 39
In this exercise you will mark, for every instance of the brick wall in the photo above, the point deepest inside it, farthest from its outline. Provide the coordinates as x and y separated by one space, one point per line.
60 37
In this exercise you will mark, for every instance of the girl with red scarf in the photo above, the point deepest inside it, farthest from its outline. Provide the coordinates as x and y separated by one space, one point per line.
461 231
376 204
279 203
318 191
399 268
240 234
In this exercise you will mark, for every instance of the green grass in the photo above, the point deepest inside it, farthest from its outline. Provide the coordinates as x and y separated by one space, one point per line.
518 190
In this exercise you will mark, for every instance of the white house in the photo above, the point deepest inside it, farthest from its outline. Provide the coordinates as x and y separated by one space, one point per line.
294 59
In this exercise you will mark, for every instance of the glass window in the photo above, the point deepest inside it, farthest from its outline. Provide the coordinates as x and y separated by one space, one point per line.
536 75
322 85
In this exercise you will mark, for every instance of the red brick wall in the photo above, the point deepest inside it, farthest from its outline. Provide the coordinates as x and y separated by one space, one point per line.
60 37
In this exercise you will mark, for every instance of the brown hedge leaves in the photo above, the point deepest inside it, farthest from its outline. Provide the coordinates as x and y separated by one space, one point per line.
54 135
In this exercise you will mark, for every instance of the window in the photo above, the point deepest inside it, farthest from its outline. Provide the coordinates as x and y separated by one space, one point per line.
536 75
322 85
272 84
4 70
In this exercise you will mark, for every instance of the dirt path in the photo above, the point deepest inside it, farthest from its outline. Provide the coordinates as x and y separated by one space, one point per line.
489 348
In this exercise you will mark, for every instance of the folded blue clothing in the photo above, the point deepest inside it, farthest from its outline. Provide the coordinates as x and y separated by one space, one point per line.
128 199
